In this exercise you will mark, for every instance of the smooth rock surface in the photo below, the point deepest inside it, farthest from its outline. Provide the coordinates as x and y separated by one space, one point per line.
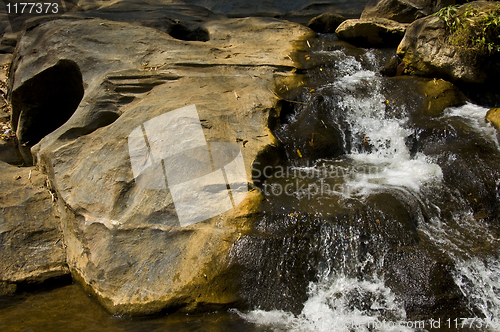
371 32
125 242
30 238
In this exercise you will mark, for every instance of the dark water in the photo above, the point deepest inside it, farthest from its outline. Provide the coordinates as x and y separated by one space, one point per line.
69 308
378 217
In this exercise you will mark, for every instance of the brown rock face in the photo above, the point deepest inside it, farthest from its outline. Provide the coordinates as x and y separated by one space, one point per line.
493 117
30 237
371 32
125 242
425 52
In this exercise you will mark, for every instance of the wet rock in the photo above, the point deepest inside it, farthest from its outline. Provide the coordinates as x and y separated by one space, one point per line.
311 135
493 117
393 67
427 98
404 11
30 236
423 281
125 242
326 23
426 53
371 32
440 94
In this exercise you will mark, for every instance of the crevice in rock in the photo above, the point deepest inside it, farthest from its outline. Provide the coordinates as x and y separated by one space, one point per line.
46 285
46 101
182 32
102 119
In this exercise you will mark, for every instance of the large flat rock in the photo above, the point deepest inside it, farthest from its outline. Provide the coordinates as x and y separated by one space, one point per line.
124 241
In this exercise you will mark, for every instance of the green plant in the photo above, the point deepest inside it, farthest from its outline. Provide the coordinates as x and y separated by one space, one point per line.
472 30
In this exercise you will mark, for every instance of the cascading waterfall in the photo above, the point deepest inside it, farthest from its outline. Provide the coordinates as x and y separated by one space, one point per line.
356 286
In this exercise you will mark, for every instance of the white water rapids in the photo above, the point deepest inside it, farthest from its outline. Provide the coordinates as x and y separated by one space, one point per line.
329 306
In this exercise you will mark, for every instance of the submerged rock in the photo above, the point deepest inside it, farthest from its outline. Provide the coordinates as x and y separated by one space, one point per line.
125 242
371 32
30 237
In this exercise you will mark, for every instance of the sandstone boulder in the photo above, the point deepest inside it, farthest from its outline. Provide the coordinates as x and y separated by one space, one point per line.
425 52
9 153
125 242
30 236
371 32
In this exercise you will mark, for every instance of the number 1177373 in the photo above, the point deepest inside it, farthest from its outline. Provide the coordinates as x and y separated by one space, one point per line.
33 8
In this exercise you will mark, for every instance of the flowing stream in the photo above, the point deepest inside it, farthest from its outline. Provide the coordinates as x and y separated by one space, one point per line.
392 212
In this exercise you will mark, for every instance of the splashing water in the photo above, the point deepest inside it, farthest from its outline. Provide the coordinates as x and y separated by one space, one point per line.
340 300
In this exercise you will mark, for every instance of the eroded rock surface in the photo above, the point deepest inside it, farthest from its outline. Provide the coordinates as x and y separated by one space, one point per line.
123 241
425 52
32 249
